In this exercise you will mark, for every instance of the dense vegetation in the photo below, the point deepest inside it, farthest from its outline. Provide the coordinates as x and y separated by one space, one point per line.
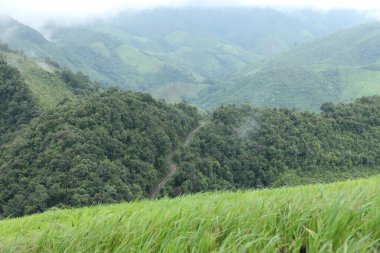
245 147
111 146
78 83
64 142
106 148
46 81
340 67
17 106
341 217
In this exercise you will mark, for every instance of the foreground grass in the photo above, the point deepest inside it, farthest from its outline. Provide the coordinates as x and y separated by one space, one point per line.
341 217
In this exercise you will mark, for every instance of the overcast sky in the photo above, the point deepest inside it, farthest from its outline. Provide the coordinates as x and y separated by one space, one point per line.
38 11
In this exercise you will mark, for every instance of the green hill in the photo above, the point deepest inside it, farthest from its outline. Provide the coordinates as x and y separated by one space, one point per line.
86 148
105 148
340 217
339 67
17 105
29 87
48 83
187 50
114 55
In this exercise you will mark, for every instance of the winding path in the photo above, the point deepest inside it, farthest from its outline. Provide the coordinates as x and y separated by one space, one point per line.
170 162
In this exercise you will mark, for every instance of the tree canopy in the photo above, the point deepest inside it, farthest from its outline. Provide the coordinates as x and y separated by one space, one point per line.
246 147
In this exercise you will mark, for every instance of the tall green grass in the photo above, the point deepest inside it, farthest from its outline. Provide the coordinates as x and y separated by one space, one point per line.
340 217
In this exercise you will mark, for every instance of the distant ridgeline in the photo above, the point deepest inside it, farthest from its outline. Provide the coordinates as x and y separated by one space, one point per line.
110 146
193 50
339 67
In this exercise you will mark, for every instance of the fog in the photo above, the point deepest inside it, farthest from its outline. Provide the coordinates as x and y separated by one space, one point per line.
37 12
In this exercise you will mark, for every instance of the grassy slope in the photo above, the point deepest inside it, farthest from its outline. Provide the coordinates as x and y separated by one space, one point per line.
340 217
175 93
41 78
358 82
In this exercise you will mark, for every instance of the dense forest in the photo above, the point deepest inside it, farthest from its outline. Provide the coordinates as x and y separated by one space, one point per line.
107 147
17 106
246 147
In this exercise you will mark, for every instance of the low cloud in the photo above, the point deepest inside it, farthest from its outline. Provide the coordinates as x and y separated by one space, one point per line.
37 12
249 126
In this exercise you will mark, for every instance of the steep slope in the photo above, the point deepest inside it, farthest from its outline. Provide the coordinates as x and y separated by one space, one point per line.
341 217
29 87
171 164
105 148
48 83
115 56
54 125
17 105
185 61
339 67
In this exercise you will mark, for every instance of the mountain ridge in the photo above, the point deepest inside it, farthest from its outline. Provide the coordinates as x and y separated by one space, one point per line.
340 67
188 51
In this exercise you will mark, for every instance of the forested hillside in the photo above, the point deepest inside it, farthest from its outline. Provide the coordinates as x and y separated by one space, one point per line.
245 147
75 145
82 149
106 148
340 67
17 106
47 82
30 87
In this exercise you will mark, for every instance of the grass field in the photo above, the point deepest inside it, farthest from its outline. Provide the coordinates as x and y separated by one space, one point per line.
340 217
44 83
176 92
358 82
143 62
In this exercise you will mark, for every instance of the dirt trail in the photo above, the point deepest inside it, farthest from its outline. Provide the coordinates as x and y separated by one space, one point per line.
170 162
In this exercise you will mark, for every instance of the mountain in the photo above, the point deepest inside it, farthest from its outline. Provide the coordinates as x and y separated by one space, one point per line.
184 52
66 142
340 67
88 146
340 217
119 139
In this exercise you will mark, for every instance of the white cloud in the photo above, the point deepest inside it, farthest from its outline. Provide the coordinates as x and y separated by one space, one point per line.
38 11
